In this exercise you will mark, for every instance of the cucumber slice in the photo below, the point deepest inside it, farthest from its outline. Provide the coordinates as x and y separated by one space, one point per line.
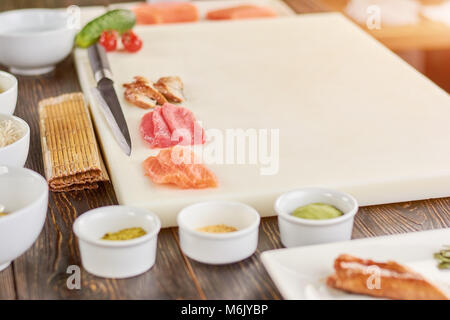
120 20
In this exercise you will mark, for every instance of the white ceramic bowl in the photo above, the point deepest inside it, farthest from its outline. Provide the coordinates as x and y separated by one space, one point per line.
24 193
215 248
32 41
8 93
300 232
116 259
16 153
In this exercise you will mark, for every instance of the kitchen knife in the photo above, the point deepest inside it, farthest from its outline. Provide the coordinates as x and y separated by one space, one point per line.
109 101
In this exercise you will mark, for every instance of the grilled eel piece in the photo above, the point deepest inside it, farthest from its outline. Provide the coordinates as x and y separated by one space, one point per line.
171 88
143 94
384 280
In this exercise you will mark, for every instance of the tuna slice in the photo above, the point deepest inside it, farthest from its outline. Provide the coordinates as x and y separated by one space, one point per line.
166 12
177 166
241 12
170 125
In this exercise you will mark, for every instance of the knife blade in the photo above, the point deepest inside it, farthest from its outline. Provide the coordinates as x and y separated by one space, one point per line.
109 102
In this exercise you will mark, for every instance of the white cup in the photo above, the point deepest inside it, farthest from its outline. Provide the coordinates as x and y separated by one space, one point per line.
296 231
8 93
121 258
218 248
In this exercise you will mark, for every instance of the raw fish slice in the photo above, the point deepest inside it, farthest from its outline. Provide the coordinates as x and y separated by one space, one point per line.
164 169
241 12
166 12
154 130
182 124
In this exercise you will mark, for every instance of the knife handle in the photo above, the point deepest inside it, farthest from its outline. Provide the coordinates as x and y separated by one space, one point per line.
99 62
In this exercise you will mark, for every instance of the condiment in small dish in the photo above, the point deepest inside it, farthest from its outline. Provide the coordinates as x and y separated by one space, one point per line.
122 254
14 140
218 232
315 215
8 93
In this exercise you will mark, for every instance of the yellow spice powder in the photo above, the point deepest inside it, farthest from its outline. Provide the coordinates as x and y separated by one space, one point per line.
125 234
218 228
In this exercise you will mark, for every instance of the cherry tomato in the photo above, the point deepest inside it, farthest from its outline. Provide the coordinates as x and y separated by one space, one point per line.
108 40
131 42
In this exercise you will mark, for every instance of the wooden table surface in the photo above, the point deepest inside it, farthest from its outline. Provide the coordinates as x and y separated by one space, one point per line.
41 273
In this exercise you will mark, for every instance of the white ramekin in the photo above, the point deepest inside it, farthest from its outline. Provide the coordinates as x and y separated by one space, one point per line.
8 93
24 193
116 259
300 232
16 153
215 248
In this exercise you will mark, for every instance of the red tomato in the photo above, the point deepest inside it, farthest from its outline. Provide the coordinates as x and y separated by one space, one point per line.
131 42
108 40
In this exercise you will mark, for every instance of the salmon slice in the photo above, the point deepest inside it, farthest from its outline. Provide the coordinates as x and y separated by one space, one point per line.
241 12
166 12
178 166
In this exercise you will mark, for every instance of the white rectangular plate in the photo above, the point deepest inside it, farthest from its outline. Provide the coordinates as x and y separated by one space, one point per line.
300 273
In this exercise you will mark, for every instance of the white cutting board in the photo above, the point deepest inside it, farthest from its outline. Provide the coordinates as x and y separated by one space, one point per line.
351 114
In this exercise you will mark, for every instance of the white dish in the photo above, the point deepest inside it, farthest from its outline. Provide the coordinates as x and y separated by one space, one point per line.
16 153
300 232
300 273
8 93
116 259
34 40
24 193
215 248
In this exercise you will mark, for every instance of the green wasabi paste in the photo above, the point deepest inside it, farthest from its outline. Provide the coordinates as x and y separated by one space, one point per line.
317 211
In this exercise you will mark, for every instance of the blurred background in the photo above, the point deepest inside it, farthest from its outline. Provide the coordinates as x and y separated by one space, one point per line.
416 30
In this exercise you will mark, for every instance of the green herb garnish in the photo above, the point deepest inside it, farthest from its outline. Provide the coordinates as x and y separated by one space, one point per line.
443 258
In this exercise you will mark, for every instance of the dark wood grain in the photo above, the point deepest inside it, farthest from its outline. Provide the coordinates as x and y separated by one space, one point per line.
7 285
41 272
306 6
244 280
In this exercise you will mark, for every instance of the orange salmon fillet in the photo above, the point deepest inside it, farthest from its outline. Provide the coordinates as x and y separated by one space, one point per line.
166 12
241 12
165 169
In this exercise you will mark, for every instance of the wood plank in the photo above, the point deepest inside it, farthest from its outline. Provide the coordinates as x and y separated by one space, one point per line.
247 279
8 290
41 272
402 217
307 6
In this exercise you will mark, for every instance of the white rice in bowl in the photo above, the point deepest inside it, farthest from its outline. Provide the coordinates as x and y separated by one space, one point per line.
10 132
